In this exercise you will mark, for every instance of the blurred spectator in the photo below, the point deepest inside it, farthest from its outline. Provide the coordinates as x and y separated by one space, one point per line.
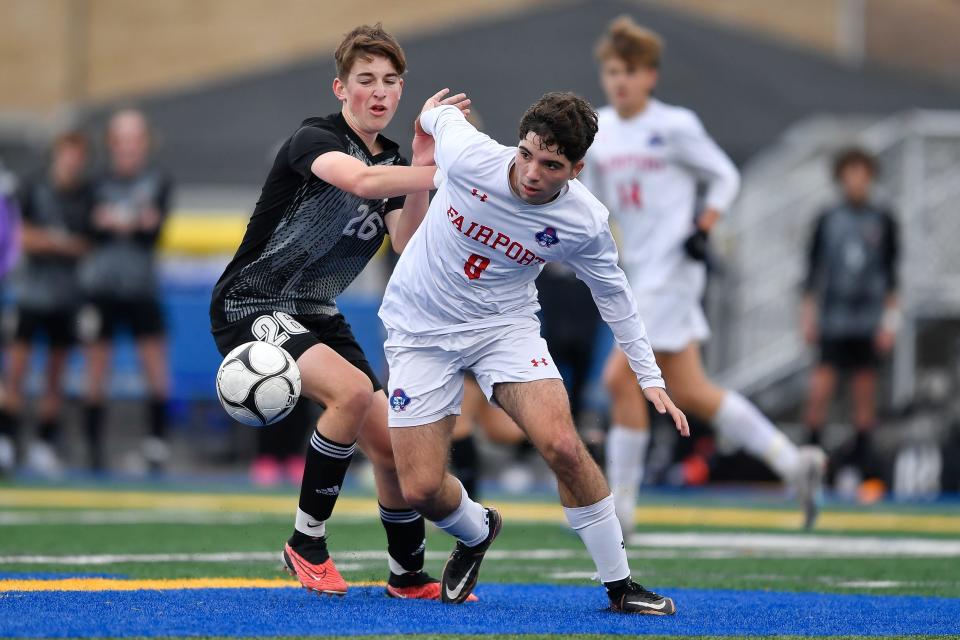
132 199
55 206
280 447
9 238
498 427
570 323
850 304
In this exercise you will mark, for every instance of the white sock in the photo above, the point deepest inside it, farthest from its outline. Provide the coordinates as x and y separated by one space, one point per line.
468 523
626 454
597 526
740 422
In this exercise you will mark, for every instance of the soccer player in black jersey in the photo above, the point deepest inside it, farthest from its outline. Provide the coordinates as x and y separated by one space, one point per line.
336 188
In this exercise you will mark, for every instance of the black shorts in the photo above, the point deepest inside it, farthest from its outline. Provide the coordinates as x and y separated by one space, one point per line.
102 318
849 353
59 327
296 334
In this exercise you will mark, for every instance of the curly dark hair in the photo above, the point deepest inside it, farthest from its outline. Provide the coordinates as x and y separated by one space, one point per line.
851 156
564 120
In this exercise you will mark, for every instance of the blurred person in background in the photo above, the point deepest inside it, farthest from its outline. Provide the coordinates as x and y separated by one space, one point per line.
131 201
645 164
55 206
280 447
498 428
849 307
9 251
570 324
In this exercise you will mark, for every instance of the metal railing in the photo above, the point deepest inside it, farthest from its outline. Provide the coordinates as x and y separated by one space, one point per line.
763 244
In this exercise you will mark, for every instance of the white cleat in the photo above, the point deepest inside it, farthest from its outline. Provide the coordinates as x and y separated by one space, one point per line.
813 467
43 461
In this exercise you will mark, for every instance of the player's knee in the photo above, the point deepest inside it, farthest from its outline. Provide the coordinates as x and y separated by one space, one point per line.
563 451
420 493
617 383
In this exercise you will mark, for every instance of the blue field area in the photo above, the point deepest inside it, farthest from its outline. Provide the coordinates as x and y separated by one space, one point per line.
503 609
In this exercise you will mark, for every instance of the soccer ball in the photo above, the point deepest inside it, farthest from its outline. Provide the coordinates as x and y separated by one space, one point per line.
258 384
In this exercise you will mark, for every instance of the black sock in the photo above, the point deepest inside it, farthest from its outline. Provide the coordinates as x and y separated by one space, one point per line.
861 451
48 430
323 474
465 463
93 430
406 537
523 450
158 418
9 424
813 435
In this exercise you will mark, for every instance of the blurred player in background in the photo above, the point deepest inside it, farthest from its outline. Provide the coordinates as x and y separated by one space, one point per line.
335 190
56 207
131 203
850 307
645 164
462 297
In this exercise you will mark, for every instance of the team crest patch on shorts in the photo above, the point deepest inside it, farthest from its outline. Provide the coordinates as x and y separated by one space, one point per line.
547 237
399 400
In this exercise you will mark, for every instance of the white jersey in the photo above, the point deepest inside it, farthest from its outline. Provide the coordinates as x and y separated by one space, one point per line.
646 171
472 263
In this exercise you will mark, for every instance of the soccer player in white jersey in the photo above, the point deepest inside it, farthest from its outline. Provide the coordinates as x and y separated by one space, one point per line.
462 297
645 166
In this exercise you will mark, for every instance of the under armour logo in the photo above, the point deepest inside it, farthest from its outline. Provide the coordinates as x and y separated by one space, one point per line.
476 194
535 362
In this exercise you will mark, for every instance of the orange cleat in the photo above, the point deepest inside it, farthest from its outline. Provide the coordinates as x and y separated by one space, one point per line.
416 586
321 578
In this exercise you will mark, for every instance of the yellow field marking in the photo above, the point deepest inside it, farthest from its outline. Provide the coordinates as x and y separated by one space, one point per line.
664 515
116 584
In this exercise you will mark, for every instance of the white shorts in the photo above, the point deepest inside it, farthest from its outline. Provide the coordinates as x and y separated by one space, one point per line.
673 319
426 372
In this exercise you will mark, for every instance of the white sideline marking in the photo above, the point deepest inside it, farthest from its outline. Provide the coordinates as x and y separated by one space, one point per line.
573 575
265 556
872 584
759 544
21 518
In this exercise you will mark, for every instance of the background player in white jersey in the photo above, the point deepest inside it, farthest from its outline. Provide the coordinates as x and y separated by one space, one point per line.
334 191
462 297
645 165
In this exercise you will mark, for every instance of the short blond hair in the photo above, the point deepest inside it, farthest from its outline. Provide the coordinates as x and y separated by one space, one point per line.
625 39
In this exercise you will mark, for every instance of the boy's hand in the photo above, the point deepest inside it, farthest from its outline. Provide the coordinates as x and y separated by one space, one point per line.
422 142
663 404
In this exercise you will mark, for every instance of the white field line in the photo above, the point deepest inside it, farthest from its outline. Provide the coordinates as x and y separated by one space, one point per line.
787 545
262 556
23 518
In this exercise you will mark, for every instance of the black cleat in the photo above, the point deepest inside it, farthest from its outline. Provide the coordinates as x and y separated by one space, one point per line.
633 598
462 569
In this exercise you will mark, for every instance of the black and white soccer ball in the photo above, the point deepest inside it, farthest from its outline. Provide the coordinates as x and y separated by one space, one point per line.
258 383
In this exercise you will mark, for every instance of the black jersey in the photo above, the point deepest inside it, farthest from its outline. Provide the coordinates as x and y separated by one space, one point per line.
307 240
121 266
46 282
852 268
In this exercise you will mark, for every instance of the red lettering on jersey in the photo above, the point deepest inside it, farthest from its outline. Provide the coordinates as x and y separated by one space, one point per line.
452 213
516 254
501 241
469 232
631 197
527 258
458 223
486 232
